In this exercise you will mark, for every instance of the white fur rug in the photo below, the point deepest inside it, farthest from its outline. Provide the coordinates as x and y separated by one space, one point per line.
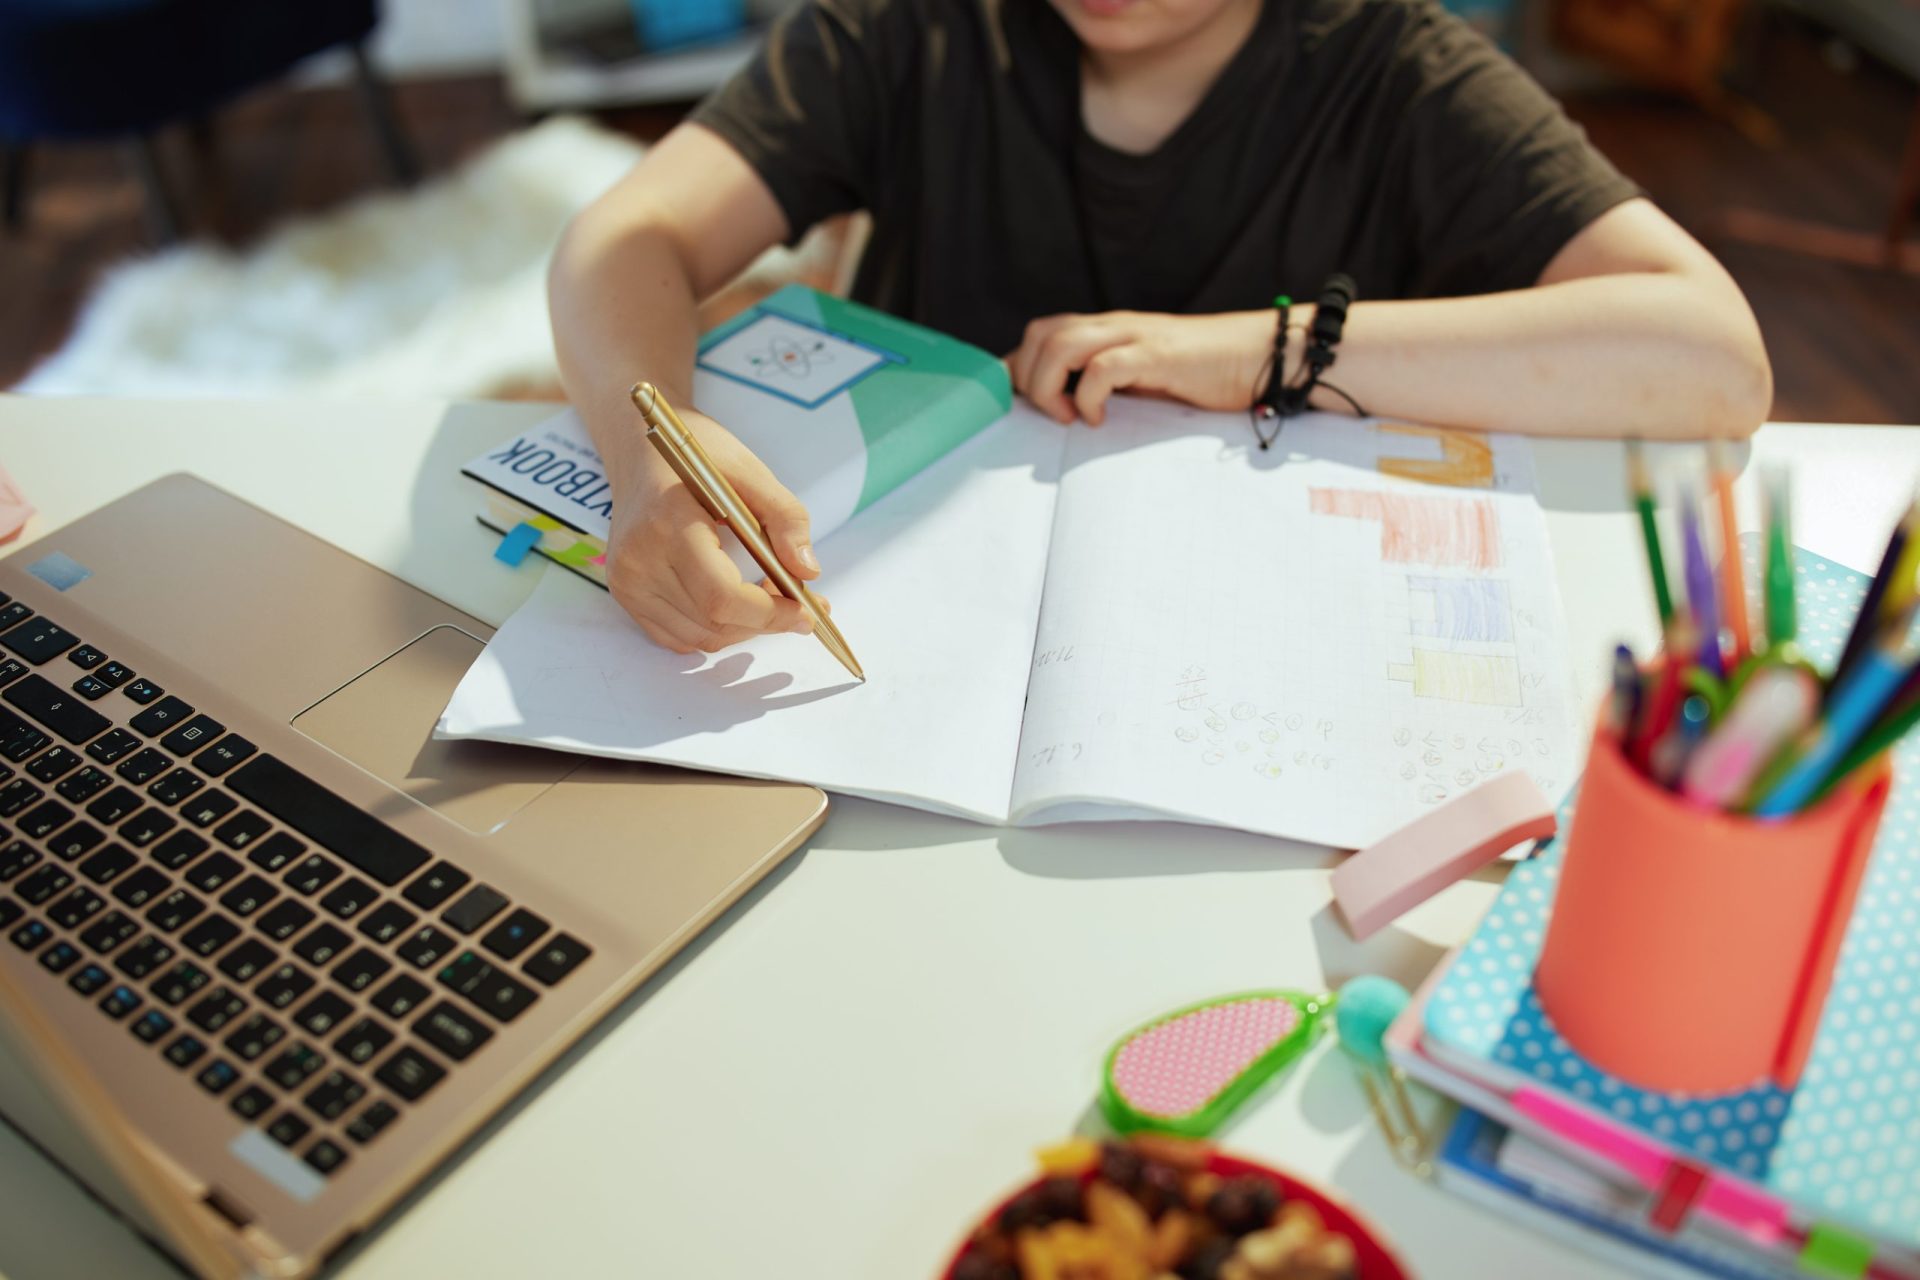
439 291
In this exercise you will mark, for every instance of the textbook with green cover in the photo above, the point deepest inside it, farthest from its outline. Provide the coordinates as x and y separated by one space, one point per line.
842 402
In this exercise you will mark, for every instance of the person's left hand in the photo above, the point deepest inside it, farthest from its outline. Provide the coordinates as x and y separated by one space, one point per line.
1212 362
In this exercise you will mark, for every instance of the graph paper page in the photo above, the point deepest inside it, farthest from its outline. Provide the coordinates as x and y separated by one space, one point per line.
1318 641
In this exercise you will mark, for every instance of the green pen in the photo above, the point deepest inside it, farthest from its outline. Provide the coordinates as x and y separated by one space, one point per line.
1649 531
1781 623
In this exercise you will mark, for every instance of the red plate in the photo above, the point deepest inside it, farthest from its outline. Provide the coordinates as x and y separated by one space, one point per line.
1376 1260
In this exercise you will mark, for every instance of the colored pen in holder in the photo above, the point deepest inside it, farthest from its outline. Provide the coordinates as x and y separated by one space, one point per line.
1691 949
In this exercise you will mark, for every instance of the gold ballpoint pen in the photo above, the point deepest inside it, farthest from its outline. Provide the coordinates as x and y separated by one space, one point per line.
696 470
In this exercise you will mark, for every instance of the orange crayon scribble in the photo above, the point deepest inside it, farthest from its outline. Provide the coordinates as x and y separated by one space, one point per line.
1465 461
1462 533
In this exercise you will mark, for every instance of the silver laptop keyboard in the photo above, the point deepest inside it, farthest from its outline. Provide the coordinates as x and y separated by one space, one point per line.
308 964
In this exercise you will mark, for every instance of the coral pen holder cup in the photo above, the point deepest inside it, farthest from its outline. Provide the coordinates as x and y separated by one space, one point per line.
1691 950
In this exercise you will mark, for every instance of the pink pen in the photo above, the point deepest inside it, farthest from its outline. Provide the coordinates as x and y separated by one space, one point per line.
1777 704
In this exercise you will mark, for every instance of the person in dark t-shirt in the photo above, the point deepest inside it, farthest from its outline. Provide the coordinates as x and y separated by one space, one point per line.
1111 193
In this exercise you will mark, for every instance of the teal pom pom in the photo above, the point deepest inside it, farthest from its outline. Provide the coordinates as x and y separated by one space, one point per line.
1366 1008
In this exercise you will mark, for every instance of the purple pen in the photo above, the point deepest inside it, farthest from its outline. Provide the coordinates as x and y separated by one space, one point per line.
1700 587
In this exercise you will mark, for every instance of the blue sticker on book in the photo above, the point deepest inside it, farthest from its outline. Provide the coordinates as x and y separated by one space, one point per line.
59 570
514 547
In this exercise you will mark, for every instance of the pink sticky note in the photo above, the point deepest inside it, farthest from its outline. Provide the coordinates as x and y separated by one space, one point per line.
14 507
1388 879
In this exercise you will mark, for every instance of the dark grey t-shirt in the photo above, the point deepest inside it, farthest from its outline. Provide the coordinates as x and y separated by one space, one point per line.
1382 138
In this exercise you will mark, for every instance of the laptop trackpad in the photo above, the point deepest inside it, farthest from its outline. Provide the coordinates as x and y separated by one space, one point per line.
383 721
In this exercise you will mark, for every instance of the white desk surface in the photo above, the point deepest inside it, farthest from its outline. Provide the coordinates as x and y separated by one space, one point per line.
861 1055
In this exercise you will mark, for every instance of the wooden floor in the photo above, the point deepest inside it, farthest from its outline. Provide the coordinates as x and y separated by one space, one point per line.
1845 341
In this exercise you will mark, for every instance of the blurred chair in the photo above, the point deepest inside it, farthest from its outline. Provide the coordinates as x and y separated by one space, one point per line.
121 69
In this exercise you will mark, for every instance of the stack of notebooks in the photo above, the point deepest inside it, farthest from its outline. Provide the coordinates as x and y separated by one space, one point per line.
1822 1179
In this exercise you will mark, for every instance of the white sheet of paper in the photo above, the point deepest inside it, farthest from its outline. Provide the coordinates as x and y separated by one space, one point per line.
1319 641
937 589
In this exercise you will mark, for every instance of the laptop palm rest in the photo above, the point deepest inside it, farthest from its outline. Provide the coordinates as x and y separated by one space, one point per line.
383 721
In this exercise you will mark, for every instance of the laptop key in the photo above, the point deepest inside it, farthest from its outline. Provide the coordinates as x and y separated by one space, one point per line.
313 874
17 795
502 997
195 734
276 851
295 1063
205 810
14 612
217 1076
216 1009
249 895
477 906
84 785
144 691
60 710
151 1026
12 669
209 936
10 913
242 829
36 887
449 1029
39 640
177 983
347 899
120 1002
114 674
176 786
143 766
386 922
107 864
435 885
174 911
283 920
186 1050
251 1102
89 978
90 689
322 945
178 849
112 745
22 742
59 957
361 969
465 973
146 826
76 908
400 997
108 932
76 841
410 1074
142 887
334 1095
360 1043
212 873
288 1128
143 957
327 819
320 1015
254 1036
369 1123
49 765
284 985
247 960
514 934
426 946
114 806
325 1156
15 857
86 657
44 819
557 957
30 935
161 716
223 755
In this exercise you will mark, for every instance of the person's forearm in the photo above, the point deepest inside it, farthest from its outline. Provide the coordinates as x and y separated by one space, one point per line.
1647 354
623 309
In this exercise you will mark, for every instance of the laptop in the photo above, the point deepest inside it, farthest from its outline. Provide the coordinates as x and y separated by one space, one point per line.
269 953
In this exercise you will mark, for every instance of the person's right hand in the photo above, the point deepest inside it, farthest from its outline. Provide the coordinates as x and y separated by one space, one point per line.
665 562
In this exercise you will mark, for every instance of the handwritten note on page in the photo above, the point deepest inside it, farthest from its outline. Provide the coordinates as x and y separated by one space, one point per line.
1319 641
937 587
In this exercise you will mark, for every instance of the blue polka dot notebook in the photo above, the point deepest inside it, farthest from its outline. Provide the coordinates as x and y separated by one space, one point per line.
1844 1145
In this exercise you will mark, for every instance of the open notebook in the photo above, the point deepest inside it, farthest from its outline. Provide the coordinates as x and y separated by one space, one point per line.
1149 619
